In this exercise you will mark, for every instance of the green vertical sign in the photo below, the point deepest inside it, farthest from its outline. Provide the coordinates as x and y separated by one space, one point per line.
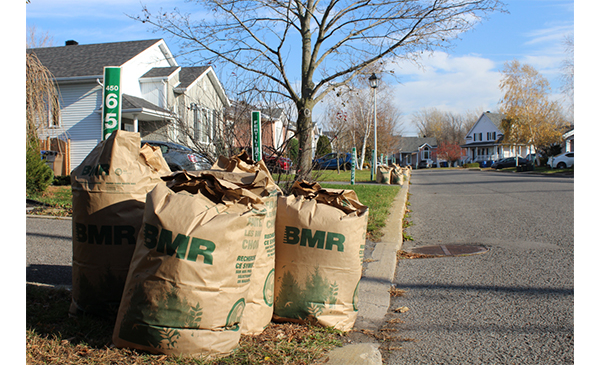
373 165
256 138
111 101
353 170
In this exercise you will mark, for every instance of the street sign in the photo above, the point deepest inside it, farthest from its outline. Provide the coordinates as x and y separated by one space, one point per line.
111 101
353 170
373 165
256 137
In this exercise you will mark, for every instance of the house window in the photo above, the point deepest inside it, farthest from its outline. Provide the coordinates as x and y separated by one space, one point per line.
53 113
425 153
197 124
203 124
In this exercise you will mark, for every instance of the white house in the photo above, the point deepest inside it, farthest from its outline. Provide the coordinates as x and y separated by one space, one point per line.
484 142
158 95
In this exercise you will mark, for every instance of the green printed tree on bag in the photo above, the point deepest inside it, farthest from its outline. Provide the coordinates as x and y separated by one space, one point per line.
154 321
293 302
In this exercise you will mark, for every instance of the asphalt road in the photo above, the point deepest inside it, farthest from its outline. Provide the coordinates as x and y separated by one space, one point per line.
49 251
510 305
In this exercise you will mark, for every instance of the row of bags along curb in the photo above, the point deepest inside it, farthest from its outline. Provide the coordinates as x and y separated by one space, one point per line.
188 261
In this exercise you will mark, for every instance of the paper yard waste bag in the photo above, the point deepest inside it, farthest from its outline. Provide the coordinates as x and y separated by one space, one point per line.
259 302
396 175
383 175
109 193
190 272
320 238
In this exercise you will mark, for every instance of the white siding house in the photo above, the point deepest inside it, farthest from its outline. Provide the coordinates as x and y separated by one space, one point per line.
156 91
484 142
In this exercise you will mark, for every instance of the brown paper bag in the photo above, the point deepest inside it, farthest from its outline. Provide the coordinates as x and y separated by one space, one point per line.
320 239
190 272
383 175
259 303
109 193
396 175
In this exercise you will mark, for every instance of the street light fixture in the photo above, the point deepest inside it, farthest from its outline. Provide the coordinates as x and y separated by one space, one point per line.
374 82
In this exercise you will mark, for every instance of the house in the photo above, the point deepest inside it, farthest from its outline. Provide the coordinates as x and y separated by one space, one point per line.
484 142
568 144
160 99
412 150
274 126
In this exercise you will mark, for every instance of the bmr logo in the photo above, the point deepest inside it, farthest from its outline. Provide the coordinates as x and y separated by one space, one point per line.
104 235
320 239
97 170
183 247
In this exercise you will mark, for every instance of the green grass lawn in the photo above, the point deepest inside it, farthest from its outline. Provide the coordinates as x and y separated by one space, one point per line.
378 198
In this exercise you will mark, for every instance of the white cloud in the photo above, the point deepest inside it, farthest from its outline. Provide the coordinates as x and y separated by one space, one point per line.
456 84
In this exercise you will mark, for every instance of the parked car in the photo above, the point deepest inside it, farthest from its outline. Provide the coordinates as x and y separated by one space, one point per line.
277 163
180 157
424 164
330 161
562 161
508 162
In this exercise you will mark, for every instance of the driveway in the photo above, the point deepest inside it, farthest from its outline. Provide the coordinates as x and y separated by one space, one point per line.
510 305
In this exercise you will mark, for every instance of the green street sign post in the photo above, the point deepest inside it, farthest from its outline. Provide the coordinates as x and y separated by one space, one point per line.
353 170
256 137
111 101
373 165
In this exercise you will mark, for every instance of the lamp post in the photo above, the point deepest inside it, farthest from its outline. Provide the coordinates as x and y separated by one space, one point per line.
374 82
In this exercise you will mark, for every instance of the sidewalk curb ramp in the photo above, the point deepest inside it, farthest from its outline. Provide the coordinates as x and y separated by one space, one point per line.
373 296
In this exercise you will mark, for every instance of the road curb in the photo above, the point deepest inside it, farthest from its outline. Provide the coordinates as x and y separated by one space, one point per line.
373 296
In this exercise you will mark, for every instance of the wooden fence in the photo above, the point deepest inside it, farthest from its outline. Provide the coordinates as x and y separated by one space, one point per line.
62 160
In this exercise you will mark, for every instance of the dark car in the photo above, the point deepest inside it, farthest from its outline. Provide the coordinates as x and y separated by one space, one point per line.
180 157
508 162
424 164
330 161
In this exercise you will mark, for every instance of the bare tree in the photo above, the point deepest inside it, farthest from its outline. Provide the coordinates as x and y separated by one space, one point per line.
568 76
37 40
334 41
445 126
42 100
350 113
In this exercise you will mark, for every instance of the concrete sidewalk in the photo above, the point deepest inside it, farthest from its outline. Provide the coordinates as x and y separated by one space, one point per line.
374 296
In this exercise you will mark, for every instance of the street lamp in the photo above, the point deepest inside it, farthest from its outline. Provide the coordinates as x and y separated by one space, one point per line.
374 82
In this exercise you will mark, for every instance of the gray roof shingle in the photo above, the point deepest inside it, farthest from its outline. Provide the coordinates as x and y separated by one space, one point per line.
188 75
88 59
160 71
412 144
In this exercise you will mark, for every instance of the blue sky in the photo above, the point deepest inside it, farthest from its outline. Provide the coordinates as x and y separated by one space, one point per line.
461 79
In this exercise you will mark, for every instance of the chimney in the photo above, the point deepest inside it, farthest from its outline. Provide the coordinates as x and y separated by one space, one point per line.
71 43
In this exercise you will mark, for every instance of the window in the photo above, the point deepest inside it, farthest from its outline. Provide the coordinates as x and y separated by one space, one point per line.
425 153
491 136
53 112
203 124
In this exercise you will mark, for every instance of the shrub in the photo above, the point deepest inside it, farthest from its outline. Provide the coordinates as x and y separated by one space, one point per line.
39 175
61 180
471 165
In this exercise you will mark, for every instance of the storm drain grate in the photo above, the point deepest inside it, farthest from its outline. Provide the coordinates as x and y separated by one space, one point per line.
450 250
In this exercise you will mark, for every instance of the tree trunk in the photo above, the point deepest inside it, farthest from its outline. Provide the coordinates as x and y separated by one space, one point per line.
304 133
